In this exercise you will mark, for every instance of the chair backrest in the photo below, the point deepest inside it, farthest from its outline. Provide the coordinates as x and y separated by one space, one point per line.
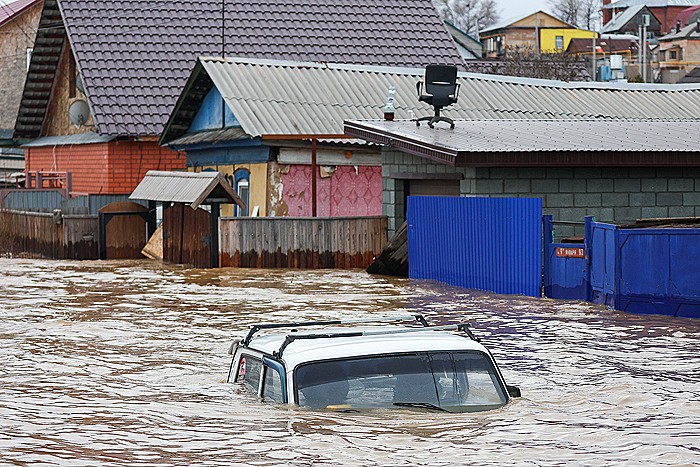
441 83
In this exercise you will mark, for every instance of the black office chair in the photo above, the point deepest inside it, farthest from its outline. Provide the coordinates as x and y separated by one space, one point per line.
441 89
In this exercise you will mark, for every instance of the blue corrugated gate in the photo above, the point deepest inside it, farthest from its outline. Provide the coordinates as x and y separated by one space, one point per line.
564 266
492 244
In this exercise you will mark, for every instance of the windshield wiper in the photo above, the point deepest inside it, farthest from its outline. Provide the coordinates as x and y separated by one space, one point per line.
420 405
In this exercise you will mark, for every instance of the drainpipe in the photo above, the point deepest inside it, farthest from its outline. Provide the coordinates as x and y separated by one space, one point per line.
313 177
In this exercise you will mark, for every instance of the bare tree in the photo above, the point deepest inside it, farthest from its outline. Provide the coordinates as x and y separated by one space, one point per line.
580 13
470 16
589 15
566 10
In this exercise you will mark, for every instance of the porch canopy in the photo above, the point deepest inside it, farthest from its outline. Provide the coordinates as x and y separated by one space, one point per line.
190 188
541 143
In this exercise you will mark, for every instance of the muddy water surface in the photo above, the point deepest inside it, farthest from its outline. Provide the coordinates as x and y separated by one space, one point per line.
124 363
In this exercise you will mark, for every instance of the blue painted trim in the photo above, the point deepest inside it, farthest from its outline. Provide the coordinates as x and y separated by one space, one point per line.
241 174
209 115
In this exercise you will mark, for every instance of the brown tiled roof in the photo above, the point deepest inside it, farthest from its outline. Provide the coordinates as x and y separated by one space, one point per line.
135 55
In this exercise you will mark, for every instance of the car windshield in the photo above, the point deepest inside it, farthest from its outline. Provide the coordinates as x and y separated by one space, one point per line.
455 382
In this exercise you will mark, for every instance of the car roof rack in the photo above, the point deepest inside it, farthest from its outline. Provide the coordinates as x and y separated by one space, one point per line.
462 327
379 319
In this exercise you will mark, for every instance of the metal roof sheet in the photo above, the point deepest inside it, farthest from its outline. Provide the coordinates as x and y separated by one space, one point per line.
78 138
619 21
184 187
510 136
286 98
650 3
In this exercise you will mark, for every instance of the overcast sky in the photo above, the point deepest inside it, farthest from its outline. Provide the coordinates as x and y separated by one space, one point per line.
510 8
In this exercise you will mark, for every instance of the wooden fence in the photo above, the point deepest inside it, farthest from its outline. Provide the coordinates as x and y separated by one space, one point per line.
48 235
292 242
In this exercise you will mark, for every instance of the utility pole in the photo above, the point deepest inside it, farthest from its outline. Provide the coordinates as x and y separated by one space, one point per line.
639 60
594 60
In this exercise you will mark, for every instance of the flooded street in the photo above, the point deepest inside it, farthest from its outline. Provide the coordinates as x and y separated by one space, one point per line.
114 363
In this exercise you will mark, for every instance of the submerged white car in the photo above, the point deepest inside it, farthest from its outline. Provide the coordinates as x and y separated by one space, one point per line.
349 368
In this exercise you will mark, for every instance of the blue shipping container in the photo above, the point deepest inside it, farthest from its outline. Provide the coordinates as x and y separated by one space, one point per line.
492 244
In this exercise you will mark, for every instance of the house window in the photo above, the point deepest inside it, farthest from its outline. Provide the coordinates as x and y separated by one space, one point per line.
242 187
663 56
680 54
559 42
672 55
29 57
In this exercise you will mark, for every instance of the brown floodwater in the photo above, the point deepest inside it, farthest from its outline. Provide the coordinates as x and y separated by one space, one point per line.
124 363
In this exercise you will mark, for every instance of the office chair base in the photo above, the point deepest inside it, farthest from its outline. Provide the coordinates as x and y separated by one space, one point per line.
433 120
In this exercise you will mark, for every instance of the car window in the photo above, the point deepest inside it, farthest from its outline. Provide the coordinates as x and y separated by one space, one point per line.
272 387
248 372
456 381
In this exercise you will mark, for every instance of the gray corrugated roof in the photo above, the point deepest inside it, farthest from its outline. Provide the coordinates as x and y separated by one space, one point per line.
548 135
79 138
283 98
651 3
210 136
619 21
688 32
184 187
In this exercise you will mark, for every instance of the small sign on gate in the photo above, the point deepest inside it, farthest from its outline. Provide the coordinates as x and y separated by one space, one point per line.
563 252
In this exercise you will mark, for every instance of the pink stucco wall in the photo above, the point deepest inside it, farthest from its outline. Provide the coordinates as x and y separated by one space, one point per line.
349 191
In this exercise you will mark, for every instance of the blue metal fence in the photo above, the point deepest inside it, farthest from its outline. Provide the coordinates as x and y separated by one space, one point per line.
645 270
492 244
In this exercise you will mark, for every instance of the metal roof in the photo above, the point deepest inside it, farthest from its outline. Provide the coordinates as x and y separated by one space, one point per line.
650 3
135 55
558 138
78 138
620 20
287 98
185 187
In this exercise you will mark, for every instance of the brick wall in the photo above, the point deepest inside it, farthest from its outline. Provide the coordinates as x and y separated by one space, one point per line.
130 160
617 195
104 168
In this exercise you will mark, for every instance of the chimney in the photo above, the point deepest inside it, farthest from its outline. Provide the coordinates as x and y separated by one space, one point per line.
607 12
678 26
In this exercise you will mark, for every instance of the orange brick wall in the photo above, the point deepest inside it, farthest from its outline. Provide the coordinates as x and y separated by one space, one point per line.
130 160
104 168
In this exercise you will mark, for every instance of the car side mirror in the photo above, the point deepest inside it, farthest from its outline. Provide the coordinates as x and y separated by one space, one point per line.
513 391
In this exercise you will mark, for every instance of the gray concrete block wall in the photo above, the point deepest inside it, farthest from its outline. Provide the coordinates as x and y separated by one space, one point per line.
616 195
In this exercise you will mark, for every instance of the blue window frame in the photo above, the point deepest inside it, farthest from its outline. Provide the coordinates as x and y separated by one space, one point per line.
242 186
